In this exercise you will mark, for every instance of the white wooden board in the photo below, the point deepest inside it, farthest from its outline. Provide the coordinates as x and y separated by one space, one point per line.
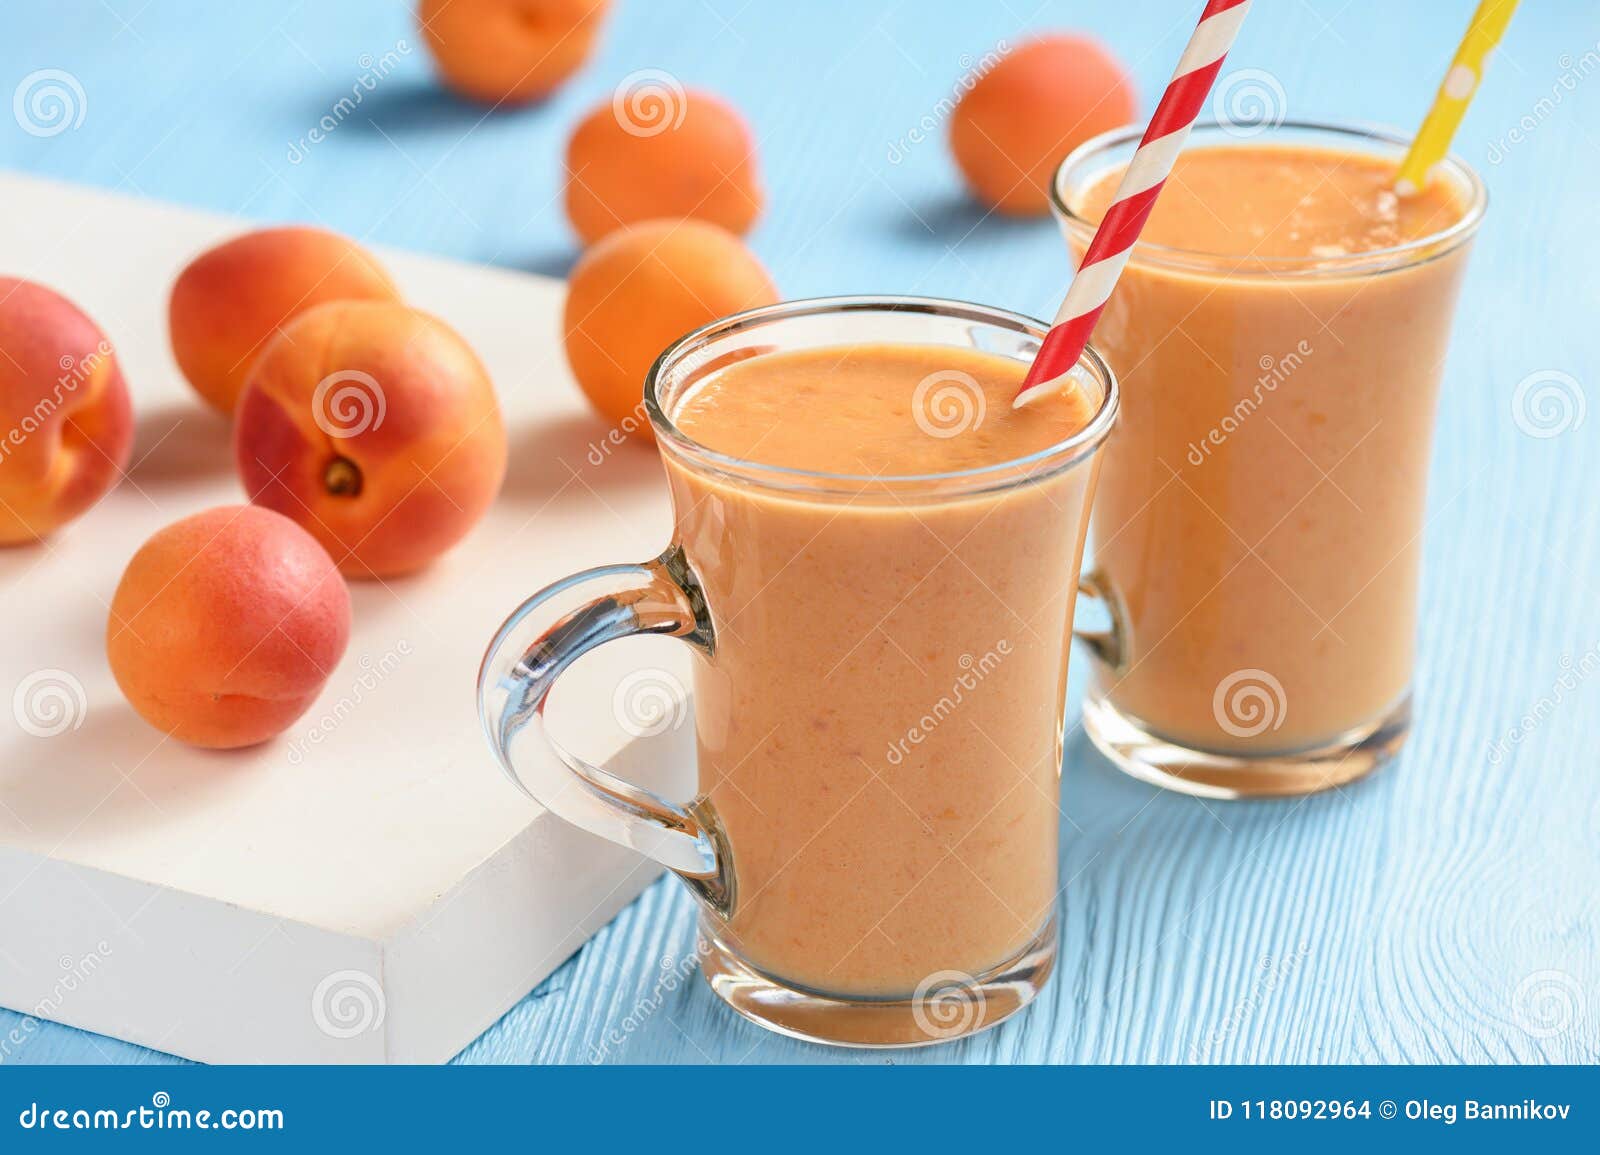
366 888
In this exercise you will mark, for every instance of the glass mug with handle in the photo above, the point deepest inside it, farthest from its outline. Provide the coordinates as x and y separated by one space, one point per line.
879 677
1258 524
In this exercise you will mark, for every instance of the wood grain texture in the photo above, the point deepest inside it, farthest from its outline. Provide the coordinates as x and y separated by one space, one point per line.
1443 911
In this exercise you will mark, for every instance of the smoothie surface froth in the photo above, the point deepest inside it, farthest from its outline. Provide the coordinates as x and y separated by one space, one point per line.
1278 201
885 410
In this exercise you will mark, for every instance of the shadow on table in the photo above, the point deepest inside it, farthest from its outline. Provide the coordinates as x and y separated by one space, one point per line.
951 218
180 443
409 106
576 452
547 263
1095 795
100 780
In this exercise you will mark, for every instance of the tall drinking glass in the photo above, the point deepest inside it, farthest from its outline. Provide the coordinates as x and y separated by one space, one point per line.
1257 534
880 672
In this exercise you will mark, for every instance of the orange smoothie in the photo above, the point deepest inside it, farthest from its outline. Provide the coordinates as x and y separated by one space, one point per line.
1259 517
880 718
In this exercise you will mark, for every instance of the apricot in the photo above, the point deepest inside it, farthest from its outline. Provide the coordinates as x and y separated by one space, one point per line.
639 290
509 51
68 425
230 300
375 427
1014 125
226 625
657 150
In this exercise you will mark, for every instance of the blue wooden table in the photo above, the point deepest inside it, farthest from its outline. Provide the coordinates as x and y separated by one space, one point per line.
1447 909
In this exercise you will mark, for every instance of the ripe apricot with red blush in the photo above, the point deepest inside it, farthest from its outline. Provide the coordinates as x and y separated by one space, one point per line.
66 425
226 625
376 427
232 299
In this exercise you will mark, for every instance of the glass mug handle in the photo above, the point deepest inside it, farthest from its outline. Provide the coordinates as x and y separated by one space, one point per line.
1108 642
532 649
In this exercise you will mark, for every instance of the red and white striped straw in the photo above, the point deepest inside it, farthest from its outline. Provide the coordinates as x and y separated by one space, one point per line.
1141 183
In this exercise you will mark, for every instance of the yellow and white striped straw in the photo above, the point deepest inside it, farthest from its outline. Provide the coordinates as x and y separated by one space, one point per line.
1455 93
